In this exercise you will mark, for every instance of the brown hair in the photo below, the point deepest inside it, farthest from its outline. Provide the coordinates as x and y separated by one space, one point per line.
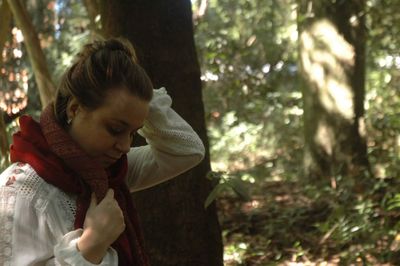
99 67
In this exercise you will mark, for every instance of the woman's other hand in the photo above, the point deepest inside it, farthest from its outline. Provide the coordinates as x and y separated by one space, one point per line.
104 222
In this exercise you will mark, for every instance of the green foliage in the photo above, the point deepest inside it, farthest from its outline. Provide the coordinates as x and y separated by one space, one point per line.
226 182
394 203
246 50
383 83
4 159
248 56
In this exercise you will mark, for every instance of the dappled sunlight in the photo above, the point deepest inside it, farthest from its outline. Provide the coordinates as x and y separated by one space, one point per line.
324 31
300 224
254 204
208 76
236 145
270 135
325 57
13 77
325 137
342 96
308 262
234 253
389 61
13 102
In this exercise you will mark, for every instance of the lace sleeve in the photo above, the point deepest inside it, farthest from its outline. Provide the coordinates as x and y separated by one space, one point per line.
174 146
7 205
24 236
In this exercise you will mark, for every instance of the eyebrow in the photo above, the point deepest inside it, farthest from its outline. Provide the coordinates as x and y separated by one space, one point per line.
126 124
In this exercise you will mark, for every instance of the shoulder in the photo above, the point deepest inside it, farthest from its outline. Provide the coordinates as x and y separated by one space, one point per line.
16 175
23 189
23 181
22 178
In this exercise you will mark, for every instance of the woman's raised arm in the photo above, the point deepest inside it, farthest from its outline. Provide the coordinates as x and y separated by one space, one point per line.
174 147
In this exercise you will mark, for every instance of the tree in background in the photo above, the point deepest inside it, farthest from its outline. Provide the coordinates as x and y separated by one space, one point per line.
383 87
248 59
43 78
178 229
332 60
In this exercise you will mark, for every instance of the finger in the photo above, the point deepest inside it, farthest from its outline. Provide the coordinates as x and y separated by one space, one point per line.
110 193
93 201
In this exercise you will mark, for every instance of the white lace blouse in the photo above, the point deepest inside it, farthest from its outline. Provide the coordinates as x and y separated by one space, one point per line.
36 218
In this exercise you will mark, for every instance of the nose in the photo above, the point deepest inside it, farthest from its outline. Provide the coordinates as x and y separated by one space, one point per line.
123 144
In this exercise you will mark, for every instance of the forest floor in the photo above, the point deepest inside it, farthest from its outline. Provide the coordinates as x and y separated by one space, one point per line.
279 226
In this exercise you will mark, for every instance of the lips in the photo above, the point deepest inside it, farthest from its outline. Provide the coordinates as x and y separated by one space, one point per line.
111 158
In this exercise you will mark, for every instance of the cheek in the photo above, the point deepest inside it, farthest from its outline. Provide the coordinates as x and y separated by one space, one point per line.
92 138
99 142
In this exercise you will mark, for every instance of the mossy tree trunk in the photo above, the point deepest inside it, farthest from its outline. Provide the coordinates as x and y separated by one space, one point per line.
332 62
178 230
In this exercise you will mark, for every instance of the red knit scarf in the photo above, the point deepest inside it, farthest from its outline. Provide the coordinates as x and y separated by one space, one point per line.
56 158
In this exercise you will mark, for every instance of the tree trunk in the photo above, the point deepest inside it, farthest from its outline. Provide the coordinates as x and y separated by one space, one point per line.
92 9
4 145
332 64
43 79
5 19
177 228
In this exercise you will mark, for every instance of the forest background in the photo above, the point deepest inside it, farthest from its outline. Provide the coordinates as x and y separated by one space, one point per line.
301 108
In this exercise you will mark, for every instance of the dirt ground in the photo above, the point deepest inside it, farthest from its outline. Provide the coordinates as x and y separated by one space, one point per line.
277 228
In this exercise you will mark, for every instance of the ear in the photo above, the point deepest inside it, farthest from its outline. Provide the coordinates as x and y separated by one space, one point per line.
73 108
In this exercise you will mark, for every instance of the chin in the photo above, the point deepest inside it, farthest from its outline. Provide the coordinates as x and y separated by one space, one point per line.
107 164
104 163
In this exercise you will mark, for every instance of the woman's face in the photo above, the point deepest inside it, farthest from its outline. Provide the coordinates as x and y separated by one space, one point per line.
106 133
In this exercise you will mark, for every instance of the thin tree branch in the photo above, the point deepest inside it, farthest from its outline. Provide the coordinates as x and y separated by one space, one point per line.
5 19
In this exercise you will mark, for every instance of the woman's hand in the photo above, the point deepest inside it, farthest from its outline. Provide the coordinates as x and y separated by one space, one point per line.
104 222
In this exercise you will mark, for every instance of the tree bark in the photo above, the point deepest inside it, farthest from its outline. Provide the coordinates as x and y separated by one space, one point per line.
42 75
5 19
4 144
92 8
332 65
177 228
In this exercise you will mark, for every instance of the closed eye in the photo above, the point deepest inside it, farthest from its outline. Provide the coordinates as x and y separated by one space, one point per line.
114 130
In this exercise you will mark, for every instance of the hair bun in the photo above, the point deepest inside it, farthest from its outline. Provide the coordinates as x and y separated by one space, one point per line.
111 45
119 44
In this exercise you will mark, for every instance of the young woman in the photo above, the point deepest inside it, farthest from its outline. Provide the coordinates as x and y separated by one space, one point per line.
65 200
